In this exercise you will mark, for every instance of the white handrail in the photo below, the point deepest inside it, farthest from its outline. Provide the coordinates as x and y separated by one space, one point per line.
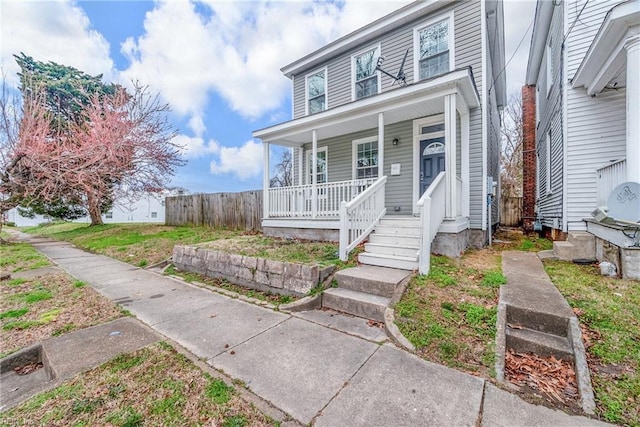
359 216
432 212
609 177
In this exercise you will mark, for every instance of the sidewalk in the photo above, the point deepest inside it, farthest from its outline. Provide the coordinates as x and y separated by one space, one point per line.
314 373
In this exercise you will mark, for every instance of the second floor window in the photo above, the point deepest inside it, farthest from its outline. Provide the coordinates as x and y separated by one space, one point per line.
433 48
365 74
316 92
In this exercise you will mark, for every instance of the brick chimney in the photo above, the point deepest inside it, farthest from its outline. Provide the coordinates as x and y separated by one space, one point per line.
528 156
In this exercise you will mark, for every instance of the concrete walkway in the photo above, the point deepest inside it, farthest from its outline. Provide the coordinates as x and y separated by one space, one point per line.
315 373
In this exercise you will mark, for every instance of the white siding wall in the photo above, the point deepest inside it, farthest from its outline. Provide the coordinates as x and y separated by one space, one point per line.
596 127
550 108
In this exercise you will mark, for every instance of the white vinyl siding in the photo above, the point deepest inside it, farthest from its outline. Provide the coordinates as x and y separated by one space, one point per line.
547 158
596 127
365 158
549 65
316 91
365 76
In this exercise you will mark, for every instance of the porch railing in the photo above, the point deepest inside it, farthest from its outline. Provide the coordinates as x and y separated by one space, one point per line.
608 178
432 212
296 201
459 207
359 216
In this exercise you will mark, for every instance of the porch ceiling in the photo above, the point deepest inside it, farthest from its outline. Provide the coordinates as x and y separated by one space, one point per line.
606 60
404 103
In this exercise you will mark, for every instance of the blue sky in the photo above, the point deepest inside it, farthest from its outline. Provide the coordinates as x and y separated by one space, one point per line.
215 62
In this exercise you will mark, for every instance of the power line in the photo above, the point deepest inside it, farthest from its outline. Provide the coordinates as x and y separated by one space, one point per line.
512 55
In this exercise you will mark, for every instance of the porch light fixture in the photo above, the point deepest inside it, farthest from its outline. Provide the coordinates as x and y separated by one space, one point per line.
395 141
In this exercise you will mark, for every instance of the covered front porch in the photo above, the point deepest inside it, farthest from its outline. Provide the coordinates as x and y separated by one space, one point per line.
392 178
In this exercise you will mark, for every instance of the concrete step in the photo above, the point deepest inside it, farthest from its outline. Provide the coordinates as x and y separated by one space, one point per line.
403 230
401 262
579 245
395 250
537 320
394 239
529 341
357 303
370 279
399 221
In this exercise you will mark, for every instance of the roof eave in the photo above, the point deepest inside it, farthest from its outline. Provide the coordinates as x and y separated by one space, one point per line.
544 14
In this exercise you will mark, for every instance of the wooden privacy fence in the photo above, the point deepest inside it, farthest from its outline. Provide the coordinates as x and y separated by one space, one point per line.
237 211
511 211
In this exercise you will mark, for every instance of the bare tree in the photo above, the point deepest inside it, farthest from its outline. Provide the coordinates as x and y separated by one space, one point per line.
511 155
283 171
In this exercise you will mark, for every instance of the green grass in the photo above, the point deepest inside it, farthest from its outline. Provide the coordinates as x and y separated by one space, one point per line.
139 244
15 282
493 279
450 314
79 284
20 324
12 314
20 256
611 308
32 297
218 391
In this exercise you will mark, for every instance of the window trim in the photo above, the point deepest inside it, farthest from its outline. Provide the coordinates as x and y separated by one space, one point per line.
354 155
378 48
326 89
448 16
308 155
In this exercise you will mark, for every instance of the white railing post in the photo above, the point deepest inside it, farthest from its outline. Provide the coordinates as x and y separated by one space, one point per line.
265 182
432 213
314 174
344 232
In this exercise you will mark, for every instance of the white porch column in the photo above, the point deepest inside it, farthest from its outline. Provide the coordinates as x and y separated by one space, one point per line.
380 145
632 45
450 155
265 182
300 165
314 174
464 172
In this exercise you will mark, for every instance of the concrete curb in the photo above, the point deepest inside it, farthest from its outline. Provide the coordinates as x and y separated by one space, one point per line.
394 333
303 304
501 339
583 377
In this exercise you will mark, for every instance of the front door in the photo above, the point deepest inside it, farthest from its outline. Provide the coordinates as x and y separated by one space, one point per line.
431 161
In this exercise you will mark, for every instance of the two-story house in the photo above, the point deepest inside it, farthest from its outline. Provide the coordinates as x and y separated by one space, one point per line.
583 99
395 136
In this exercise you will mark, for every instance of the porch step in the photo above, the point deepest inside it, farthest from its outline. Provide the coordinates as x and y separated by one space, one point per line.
537 319
400 221
401 262
402 230
395 250
370 279
357 303
395 239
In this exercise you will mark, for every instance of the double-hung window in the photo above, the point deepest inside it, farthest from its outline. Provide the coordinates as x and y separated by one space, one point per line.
365 77
317 91
365 158
434 47
321 167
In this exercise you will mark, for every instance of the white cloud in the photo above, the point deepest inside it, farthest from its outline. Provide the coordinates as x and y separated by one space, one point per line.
51 31
237 49
195 146
244 162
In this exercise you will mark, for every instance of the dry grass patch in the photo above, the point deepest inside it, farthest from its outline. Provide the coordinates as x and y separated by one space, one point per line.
32 310
154 386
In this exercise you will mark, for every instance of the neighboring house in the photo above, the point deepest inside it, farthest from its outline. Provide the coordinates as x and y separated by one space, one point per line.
582 120
411 158
148 208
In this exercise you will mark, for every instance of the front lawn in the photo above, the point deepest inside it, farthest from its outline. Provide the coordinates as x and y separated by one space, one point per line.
609 311
154 386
